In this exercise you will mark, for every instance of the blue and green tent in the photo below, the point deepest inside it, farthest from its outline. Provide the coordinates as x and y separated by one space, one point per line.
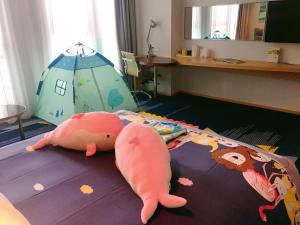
81 80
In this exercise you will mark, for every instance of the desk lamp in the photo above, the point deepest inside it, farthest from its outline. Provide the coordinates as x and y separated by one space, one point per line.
153 24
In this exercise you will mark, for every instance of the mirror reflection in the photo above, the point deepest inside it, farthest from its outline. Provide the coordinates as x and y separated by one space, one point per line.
232 22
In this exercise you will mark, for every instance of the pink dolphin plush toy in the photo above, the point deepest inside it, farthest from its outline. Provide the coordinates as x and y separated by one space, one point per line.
9 215
85 132
144 160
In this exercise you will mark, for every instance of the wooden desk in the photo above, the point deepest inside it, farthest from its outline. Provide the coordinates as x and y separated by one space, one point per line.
155 62
247 65
282 71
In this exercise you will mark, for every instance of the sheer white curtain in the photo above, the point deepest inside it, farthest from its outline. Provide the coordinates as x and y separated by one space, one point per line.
196 23
21 51
6 95
91 22
34 32
224 19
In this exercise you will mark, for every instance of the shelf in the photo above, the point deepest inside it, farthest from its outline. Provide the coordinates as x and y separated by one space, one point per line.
247 65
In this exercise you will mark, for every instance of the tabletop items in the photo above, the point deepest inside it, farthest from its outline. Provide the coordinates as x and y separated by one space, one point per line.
273 55
196 51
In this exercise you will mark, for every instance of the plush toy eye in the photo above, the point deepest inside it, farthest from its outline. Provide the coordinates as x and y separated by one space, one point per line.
108 136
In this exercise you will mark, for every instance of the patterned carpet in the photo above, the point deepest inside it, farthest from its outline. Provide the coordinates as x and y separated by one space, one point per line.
9 133
251 125
243 123
252 136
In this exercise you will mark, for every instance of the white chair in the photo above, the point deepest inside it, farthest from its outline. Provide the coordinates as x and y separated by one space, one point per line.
131 68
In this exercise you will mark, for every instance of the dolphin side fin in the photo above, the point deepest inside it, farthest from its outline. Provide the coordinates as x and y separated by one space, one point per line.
171 201
148 210
91 150
134 140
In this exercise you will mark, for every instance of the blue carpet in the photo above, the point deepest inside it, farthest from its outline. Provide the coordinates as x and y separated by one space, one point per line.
32 127
248 124
244 123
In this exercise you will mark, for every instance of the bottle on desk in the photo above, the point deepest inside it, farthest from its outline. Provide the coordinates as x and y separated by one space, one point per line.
184 52
205 53
195 50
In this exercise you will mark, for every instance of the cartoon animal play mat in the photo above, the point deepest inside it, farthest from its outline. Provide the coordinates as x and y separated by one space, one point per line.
224 181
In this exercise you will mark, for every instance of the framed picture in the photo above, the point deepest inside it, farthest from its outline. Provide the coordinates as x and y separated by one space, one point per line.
258 34
262 12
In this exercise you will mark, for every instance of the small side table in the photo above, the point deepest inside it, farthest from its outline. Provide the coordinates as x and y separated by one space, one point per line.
11 111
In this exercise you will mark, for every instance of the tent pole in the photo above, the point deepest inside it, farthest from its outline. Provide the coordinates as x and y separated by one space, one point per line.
98 89
75 66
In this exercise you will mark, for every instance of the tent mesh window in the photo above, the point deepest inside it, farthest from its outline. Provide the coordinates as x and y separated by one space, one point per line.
60 87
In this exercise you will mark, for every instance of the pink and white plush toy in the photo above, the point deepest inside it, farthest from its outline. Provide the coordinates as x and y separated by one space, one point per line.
144 160
9 215
85 132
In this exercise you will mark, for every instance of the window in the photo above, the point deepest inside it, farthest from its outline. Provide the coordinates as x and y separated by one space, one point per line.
60 87
90 22
224 19
6 91
196 23
68 24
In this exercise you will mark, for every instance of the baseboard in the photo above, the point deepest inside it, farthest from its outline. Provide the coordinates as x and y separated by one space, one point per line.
164 93
240 102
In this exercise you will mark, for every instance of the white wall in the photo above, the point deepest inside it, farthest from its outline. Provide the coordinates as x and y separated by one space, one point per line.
160 11
264 89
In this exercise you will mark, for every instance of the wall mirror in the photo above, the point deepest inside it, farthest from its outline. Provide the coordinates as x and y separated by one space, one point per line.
233 22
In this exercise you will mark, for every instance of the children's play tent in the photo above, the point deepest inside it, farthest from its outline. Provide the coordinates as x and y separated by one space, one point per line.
81 80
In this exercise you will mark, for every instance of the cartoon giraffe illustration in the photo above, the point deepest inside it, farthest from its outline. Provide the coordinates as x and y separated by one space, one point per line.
287 192
242 159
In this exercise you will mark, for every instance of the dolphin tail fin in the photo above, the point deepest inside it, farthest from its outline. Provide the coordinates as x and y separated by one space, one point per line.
41 143
148 210
171 201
